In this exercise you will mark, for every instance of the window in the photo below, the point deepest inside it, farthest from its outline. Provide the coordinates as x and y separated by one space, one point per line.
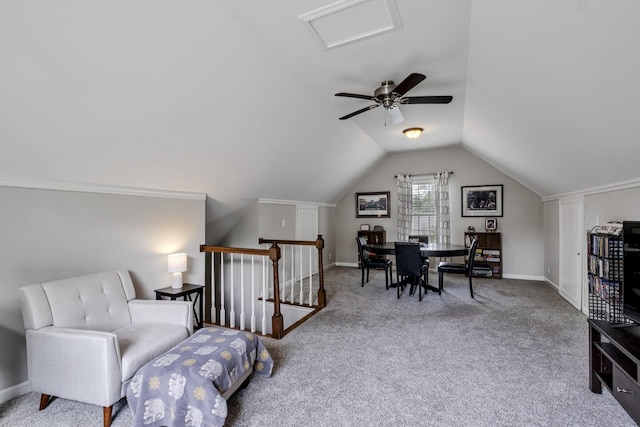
423 207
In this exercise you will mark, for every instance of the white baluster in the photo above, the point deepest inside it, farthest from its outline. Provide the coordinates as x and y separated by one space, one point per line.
232 313
253 298
293 265
242 328
283 281
310 274
223 313
264 297
301 278
214 315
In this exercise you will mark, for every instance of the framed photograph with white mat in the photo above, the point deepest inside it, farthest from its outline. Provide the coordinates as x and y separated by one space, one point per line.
482 200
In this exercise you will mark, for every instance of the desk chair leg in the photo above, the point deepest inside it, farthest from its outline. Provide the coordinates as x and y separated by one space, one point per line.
470 287
362 284
440 287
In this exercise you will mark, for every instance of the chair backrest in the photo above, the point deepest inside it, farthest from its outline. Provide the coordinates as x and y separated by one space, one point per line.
472 256
94 301
362 253
408 259
421 238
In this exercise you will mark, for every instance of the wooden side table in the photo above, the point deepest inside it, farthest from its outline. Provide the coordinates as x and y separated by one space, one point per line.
186 291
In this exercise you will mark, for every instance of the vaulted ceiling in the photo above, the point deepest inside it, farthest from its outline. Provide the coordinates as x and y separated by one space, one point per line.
236 98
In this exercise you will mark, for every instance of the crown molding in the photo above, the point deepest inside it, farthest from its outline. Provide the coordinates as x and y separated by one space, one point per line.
81 187
624 185
293 202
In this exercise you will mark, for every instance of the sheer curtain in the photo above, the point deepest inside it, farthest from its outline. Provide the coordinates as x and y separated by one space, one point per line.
404 184
441 187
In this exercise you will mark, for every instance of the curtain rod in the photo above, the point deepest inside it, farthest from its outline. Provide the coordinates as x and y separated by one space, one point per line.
421 174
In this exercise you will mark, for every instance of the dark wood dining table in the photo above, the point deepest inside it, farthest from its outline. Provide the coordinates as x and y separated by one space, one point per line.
426 250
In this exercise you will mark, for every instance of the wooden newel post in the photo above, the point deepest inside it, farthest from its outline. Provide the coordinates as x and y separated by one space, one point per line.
322 294
277 324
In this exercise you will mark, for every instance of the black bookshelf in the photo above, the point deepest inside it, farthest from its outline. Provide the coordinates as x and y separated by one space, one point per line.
605 275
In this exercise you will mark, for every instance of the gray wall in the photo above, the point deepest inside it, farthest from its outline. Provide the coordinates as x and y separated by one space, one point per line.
521 226
50 234
264 219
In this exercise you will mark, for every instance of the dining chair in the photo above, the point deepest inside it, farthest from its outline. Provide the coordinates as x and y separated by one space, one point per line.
459 268
367 261
420 238
410 266
423 239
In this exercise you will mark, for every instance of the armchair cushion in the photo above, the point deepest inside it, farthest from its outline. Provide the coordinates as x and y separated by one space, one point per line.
95 301
141 342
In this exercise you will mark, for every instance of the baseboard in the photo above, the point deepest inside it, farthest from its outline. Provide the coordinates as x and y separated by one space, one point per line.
553 285
347 264
523 277
14 391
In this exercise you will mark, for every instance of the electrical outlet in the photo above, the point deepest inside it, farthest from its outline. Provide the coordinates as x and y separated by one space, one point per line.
284 223
548 269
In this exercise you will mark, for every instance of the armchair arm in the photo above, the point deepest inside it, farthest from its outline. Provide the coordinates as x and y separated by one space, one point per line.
75 364
154 311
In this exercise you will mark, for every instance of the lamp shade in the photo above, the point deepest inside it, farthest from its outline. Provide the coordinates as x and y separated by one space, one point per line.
177 263
412 133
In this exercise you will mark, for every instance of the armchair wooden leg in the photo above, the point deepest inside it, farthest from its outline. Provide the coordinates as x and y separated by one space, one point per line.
44 401
106 413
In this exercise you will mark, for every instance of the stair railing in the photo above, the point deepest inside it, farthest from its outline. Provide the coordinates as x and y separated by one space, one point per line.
235 281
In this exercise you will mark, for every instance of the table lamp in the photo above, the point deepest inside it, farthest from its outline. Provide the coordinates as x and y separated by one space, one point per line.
177 264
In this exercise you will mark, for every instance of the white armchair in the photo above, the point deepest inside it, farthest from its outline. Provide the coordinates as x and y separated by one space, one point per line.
88 335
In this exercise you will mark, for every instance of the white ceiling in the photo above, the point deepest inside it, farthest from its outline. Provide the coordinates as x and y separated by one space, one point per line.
236 98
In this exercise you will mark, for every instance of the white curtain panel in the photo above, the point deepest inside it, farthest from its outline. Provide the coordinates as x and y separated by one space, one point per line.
404 184
443 217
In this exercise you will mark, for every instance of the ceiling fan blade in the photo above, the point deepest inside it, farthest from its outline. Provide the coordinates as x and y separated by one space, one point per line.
426 100
359 111
355 95
407 84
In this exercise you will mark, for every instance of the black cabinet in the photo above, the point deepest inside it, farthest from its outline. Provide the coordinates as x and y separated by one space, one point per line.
614 362
374 236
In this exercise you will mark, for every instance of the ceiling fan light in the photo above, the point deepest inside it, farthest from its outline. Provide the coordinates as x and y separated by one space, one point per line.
395 116
412 133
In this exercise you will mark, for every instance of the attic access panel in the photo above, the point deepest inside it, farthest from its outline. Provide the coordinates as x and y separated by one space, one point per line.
347 21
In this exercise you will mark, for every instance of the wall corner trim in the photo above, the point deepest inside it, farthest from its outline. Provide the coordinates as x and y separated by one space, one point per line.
293 202
81 187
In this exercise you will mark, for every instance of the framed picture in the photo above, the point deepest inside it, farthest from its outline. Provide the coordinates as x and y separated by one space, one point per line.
482 200
373 204
365 227
490 224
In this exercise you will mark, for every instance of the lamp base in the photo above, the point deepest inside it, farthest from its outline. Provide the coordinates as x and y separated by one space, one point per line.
177 281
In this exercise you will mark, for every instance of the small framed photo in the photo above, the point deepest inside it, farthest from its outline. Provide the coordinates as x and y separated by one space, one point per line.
365 227
491 224
482 200
373 205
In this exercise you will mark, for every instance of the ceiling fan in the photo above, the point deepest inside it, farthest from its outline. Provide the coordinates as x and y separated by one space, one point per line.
390 96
